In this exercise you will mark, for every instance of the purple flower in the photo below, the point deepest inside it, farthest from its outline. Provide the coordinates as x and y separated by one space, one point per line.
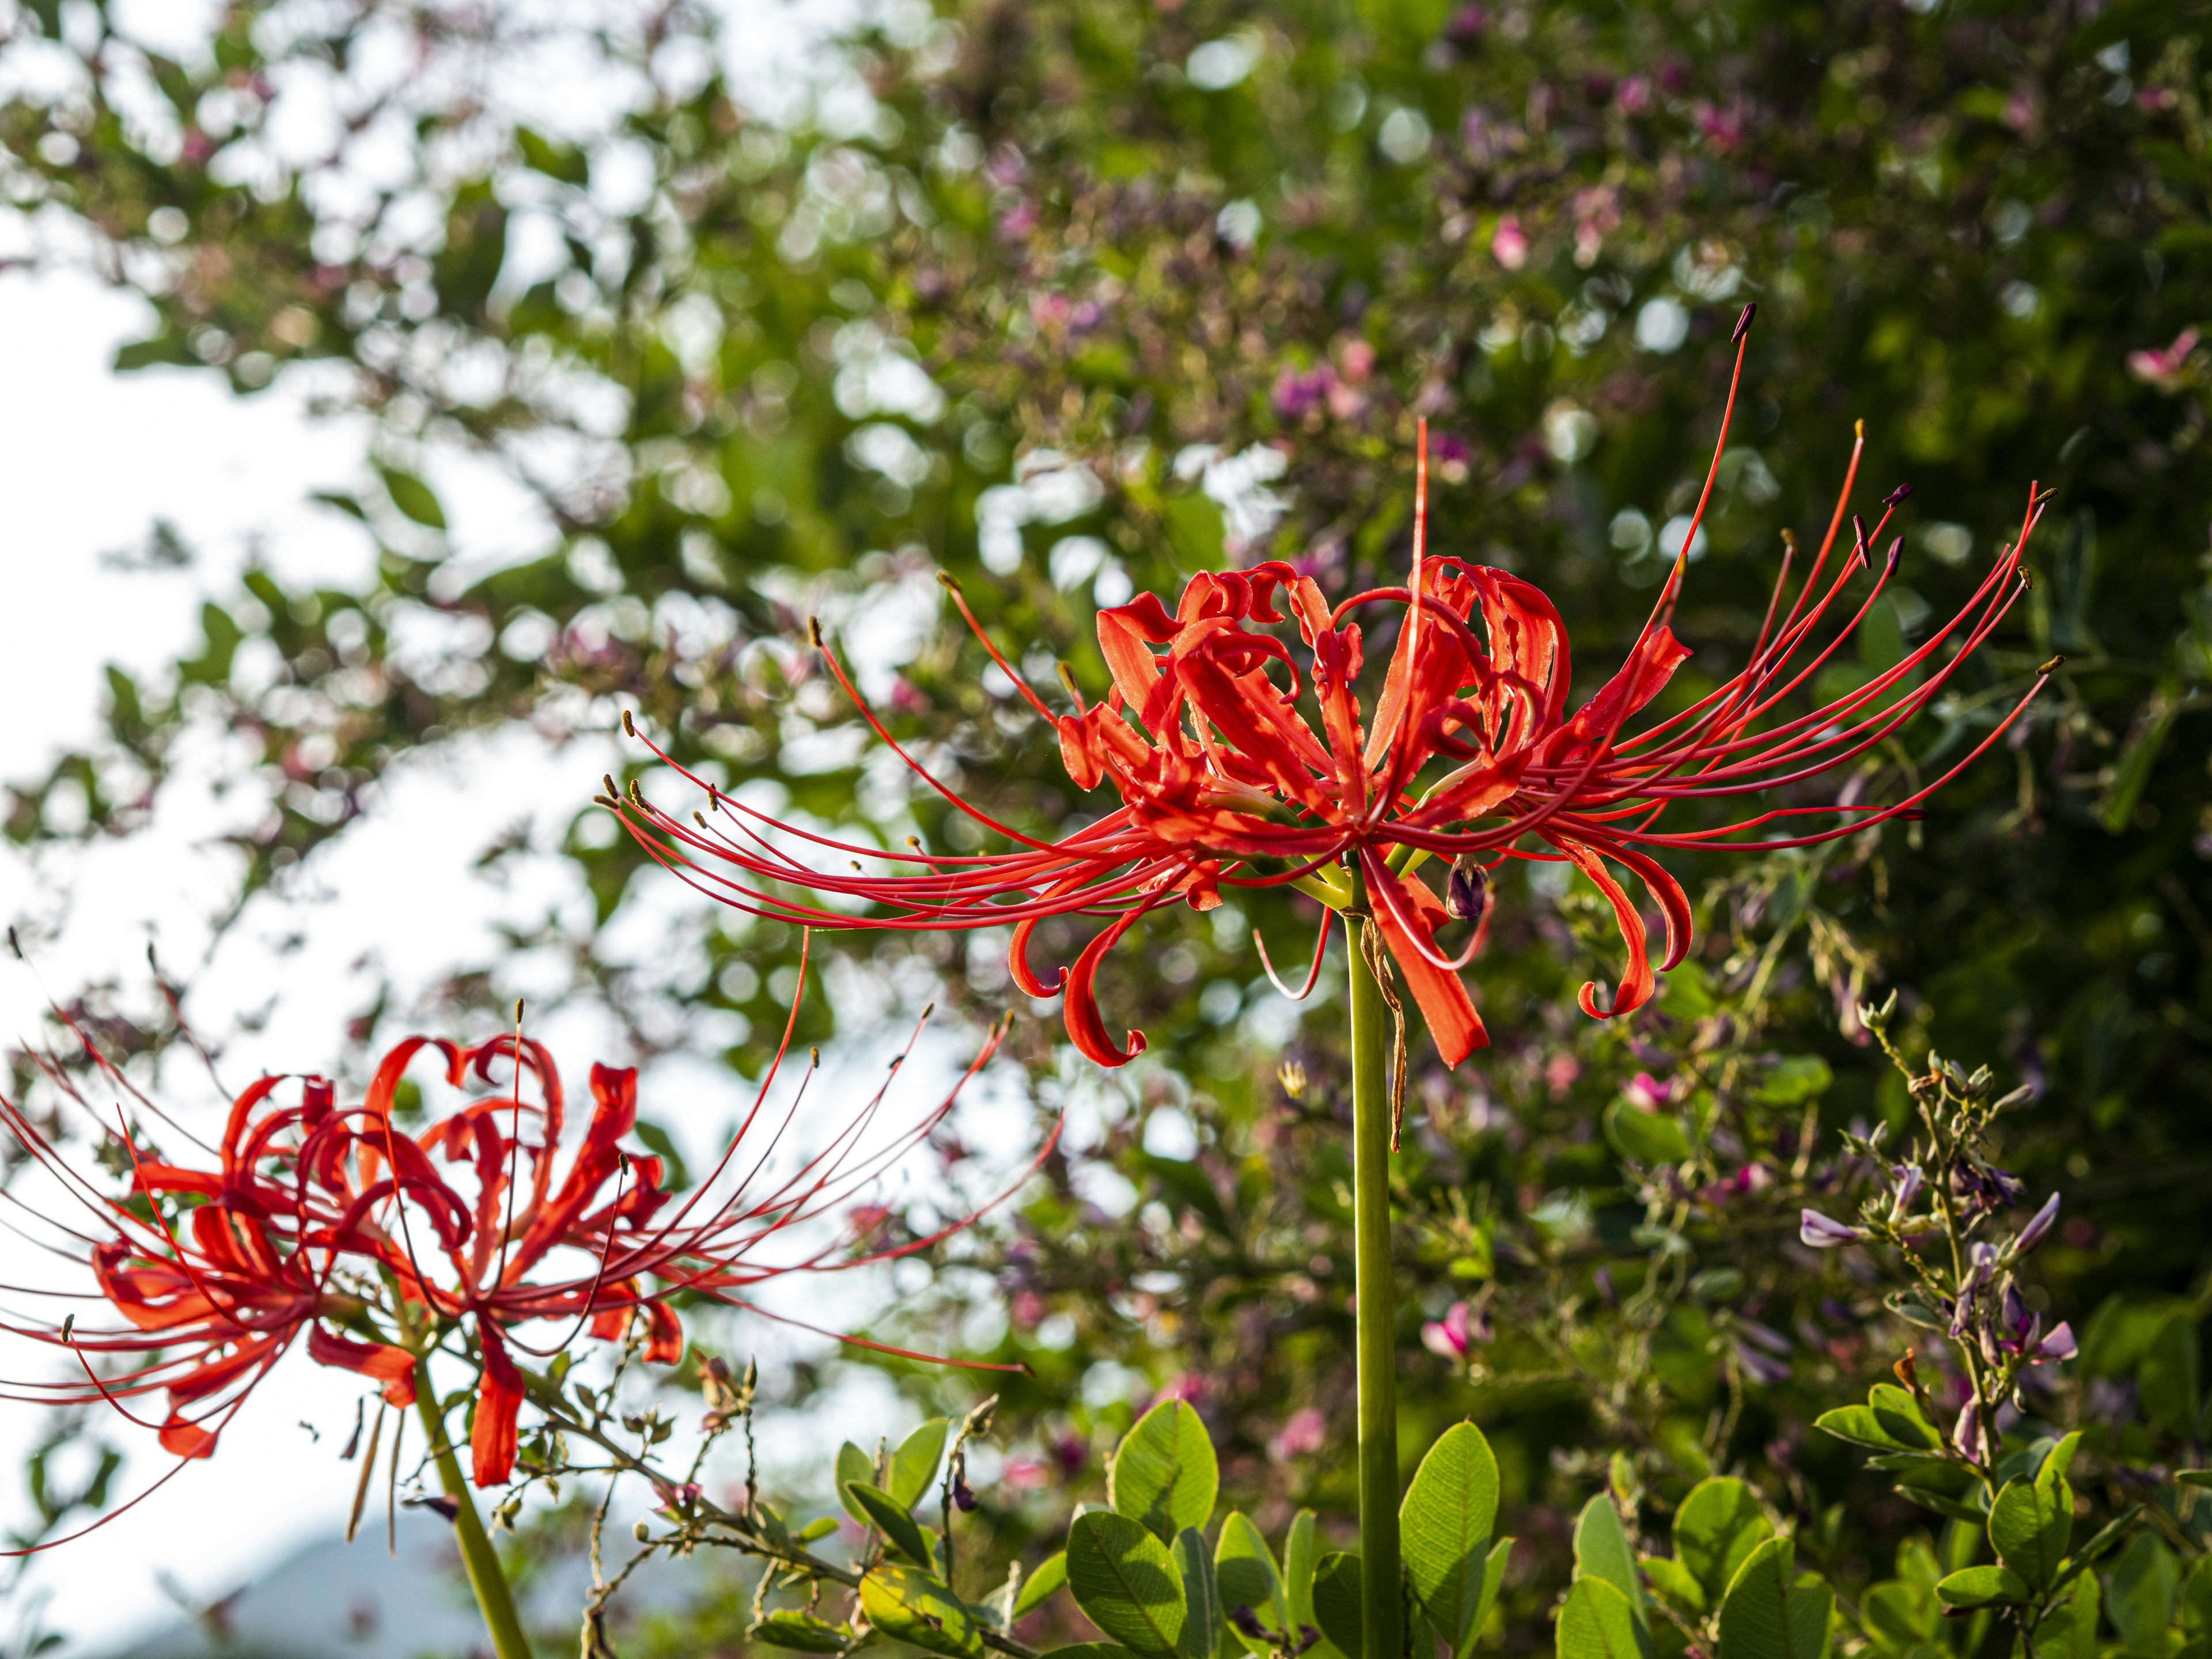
1822 1234
1909 1180
1298 394
2058 1344
962 1493
1758 1367
1986 1187
1967 1434
2038 1229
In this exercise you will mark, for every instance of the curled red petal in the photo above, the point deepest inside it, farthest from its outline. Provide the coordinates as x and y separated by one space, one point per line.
379 1361
182 1439
498 1410
1084 1026
1637 979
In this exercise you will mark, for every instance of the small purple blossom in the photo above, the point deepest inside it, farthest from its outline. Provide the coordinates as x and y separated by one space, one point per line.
1968 1434
1909 1180
2058 1345
1758 1367
1823 1234
2038 1229
1300 393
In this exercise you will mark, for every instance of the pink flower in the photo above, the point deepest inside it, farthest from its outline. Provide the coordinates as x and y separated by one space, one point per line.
1459 1330
1298 395
1304 1433
1024 1474
2163 368
1824 1234
1634 96
1509 245
1647 1093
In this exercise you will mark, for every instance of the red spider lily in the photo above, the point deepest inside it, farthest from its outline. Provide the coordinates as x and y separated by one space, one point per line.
380 1246
1237 766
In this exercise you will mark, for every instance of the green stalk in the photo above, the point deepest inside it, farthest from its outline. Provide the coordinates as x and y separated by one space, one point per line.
1381 1609
494 1598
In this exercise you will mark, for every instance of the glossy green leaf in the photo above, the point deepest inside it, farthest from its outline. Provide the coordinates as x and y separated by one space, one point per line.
1674 1583
1770 1611
854 1464
413 497
1125 1583
1336 1603
1982 1587
1201 1596
1603 1551
1301 1555
914 1465
1038 1587
1598 1622
900 1530
918 1607
820 1528
1164 1473
2197 1602
801 1633
1244 1571
2030 1526
1715 1529
1445 1526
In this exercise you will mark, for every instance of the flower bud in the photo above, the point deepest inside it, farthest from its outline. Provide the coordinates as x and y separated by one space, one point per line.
2038 1229
2059 1344
1466 893
1823 1234
1909 1180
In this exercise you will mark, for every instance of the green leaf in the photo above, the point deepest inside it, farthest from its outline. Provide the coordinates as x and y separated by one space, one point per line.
1770 1611
1164 1473
919 1608
1445 1522
1982 1587
2167 1376
1645 1137
1244 1571
1038 1587
555 160
1717 1527
821 1527
887 1516
914 1466
2140 1599
1201 1596
854 1464
1675 1583
1598 1622
800 1632
412 497
2059 1460
1299 1556
1089 1650
2194 1477
1336 1602
1494 1580
1125 1583
2076 1623
2197 1602
1900 1617
1602 1551
2030 1526
1194 526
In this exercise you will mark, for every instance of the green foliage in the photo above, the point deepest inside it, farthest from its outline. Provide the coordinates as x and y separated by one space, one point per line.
1773 1611
1126 1583
1164 1474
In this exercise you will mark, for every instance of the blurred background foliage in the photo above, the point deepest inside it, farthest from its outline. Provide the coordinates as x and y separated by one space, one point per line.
1075 299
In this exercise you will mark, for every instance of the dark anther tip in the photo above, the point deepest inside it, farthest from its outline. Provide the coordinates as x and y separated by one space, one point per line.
1897 494
814 632
628 729
947 581
1743 322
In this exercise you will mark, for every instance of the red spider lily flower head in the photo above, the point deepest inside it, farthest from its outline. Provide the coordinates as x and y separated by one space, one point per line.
496 1231
1234 736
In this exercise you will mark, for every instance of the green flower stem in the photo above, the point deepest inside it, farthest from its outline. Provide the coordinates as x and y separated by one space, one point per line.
495 1597
1381 1611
